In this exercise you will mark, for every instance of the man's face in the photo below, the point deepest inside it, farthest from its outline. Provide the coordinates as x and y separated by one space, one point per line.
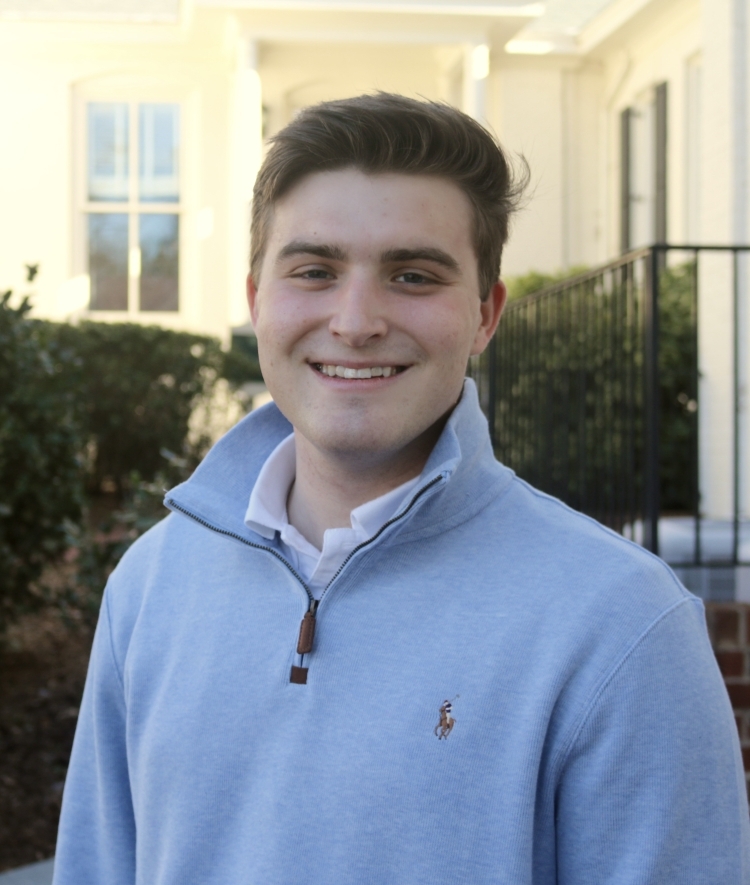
373 278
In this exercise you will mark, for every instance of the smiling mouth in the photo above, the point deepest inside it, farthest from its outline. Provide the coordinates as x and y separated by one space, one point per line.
333 371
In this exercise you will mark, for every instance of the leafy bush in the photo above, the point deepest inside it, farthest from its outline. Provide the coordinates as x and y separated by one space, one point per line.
569 389
40 471
136 387
97 407
241 362
96 549
534 280
678 357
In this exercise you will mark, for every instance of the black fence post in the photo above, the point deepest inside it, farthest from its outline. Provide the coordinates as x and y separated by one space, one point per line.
651 402
492 387
695 429
598 437
736 406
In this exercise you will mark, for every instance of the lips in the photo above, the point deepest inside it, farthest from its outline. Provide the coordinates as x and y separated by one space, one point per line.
350 373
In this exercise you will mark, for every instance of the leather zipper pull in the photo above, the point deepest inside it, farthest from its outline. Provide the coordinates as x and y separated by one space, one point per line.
306 633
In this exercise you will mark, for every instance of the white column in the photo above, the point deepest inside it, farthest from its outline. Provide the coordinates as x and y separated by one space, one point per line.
724 219
245 160
741 231
476 71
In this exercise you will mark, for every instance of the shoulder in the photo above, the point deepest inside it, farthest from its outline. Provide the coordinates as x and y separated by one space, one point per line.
581 594
579 550
152 562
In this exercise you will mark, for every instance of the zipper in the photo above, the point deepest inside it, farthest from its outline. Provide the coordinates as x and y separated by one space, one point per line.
382 528
172 503
307 626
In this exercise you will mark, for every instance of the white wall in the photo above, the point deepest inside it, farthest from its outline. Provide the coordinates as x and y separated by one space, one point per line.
547 109
56 68
653 49
297 74
724 199
661 44
526 111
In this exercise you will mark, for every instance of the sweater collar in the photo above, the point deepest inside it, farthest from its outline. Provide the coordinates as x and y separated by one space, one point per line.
218 491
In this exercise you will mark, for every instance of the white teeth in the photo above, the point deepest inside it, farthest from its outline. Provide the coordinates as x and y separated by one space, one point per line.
346 372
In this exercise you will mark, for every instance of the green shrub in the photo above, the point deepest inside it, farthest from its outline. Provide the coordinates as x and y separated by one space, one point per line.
241 363
98 548
96 407
678 355
40 470
569 406
534 280
136 387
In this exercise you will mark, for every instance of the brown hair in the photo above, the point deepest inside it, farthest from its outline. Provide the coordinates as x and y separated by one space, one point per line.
391 133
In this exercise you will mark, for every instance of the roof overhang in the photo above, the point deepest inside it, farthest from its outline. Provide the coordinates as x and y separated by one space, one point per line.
603 26
488 8
547 35
137 11
436 22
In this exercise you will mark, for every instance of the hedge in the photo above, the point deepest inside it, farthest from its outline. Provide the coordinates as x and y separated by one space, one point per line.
136 387
91 408
40 465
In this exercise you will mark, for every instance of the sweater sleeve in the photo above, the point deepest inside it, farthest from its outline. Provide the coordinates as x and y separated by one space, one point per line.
652 788
96 837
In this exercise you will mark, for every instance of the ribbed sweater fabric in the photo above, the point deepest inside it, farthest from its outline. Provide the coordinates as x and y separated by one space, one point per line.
592 743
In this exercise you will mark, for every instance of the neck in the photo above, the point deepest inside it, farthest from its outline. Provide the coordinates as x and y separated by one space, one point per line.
327 487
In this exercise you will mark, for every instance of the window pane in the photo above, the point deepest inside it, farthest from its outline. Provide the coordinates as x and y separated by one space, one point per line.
108 151
159 142
108 261
159 236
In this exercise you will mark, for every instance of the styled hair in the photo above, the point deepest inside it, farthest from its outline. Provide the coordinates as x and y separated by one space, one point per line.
385 133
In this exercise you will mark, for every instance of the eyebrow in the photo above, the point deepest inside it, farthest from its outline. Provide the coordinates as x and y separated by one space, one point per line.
423 253
390 256
300 247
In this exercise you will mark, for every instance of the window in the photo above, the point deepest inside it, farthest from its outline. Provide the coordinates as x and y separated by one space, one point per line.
643 170
132 205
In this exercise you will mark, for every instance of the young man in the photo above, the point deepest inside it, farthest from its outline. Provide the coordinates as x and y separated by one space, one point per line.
360 650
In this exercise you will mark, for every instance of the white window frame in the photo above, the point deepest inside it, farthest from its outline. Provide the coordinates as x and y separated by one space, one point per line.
133 92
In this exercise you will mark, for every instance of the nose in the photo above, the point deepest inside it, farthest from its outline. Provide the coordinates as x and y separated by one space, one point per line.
359 317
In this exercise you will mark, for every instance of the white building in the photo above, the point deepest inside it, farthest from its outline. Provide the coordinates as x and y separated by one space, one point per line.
132 131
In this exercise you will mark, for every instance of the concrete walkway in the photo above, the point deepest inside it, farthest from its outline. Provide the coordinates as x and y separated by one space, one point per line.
33 874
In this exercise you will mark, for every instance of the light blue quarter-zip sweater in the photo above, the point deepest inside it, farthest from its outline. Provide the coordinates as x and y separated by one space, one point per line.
499 691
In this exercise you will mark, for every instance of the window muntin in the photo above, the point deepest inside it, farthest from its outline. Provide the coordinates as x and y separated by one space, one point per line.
132 222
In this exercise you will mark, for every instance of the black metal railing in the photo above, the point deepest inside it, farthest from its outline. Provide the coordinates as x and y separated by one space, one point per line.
593 390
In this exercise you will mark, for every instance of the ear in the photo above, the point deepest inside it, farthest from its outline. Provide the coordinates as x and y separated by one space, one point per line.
490 311
252 298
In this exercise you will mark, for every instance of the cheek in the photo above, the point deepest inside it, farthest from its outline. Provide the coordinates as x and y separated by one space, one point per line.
280 324
448 332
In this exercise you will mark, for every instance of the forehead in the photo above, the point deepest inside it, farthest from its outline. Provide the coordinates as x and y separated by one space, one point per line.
356 209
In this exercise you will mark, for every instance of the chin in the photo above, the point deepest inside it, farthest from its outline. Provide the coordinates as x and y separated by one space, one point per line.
361 446
364 445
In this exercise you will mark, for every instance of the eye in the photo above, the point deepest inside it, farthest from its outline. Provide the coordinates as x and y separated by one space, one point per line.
411 276
312 275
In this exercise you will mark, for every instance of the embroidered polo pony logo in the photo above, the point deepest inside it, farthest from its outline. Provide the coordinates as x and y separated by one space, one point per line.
445 726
